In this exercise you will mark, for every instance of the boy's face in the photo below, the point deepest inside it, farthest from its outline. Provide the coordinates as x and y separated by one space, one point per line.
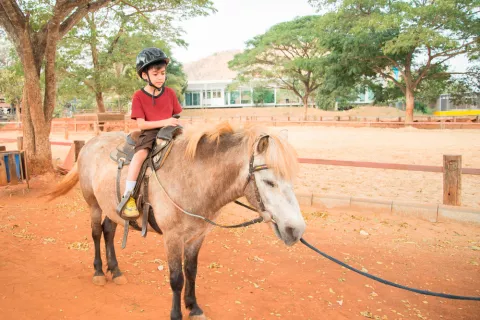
157 76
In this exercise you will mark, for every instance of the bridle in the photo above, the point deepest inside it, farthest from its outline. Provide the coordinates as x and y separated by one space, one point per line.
251 177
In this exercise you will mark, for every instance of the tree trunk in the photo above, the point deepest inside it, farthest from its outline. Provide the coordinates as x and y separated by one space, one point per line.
96 63
36 118
410 104
35 131
100 104
305 105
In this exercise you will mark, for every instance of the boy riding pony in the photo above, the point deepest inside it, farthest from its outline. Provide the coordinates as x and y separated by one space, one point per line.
152 107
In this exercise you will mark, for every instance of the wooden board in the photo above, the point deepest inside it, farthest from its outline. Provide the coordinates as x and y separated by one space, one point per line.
111 117
3 171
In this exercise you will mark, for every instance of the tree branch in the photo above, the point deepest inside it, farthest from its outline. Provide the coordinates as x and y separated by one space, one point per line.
14 14
425 70
12 32
79 13
443 53
398 84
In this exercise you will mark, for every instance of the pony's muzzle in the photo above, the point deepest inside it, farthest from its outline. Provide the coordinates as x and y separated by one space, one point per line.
289 233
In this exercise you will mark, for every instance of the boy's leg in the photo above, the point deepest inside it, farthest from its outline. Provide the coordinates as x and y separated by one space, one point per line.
130 209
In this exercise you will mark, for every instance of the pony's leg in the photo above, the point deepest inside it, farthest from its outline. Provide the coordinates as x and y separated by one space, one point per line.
173 244
96 216
191 251
109 228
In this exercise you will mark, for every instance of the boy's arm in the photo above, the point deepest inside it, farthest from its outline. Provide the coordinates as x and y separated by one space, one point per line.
147 125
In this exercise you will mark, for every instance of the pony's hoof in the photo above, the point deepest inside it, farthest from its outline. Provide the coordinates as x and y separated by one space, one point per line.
120 280
99 280
198 317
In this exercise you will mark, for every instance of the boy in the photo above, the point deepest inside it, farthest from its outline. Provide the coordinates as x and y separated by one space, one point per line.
152 107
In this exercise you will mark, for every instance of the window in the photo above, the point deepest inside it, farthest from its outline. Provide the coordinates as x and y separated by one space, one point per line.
246 97
235 97
192 98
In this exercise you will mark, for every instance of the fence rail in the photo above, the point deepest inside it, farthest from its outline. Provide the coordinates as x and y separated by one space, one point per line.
382 165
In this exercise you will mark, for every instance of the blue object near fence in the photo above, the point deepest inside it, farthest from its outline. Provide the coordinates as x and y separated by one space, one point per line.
17 163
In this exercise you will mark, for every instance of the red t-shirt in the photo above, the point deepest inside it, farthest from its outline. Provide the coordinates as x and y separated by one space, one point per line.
166 105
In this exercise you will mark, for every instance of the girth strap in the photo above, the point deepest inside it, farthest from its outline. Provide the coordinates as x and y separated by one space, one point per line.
146 207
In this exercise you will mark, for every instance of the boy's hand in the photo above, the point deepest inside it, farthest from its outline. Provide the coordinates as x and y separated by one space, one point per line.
171 122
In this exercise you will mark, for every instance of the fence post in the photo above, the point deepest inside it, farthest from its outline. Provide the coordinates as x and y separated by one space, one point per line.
78 146
95 128
19 143
452 180
65 136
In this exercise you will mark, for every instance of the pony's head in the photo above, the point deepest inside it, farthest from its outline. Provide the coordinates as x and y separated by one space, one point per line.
272 189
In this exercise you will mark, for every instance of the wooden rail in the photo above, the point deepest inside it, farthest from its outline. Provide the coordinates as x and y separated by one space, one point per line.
382 165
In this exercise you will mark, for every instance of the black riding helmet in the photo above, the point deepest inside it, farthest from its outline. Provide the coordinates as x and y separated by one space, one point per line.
147 57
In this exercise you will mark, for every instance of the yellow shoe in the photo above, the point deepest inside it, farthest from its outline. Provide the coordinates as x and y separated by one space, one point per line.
130 210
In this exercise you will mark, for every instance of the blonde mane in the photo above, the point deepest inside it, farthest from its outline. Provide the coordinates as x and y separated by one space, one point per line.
280 156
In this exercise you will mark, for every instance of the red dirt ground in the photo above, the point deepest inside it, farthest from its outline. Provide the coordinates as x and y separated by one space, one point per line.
46 267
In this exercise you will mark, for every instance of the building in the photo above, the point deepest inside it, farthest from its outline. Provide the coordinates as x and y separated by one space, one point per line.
446 107
211 85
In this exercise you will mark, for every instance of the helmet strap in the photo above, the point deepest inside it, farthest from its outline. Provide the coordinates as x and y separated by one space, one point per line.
155 87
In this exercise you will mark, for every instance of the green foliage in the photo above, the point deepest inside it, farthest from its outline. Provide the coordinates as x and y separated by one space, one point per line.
342 97
106 43
98 54
417 37
288 55
262 95
11 75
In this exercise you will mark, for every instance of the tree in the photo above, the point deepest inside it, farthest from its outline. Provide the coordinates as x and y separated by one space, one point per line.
11 76
108 41
415 37
35 29
288 54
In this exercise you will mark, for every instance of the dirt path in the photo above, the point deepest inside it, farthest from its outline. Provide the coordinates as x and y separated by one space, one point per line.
47 256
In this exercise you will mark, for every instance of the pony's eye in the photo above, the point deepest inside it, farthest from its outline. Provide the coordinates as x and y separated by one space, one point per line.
270 183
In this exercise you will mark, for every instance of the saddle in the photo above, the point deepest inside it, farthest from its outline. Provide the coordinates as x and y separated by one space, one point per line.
123 155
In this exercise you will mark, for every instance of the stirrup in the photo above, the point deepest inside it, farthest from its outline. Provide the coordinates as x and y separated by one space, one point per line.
121 206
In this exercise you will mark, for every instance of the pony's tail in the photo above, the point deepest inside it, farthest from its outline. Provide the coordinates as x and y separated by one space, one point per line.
65 185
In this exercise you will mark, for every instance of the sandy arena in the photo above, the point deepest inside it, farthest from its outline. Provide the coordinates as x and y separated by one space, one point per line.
46 261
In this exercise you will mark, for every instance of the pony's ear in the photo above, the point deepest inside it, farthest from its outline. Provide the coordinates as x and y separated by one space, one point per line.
262 144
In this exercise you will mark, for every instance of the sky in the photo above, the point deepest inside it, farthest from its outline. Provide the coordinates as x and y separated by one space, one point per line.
234 23
237 21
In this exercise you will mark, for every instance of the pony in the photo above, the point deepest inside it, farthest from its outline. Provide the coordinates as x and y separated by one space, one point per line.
206 169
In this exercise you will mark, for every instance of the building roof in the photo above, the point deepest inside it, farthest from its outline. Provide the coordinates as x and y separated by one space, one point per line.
214 67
